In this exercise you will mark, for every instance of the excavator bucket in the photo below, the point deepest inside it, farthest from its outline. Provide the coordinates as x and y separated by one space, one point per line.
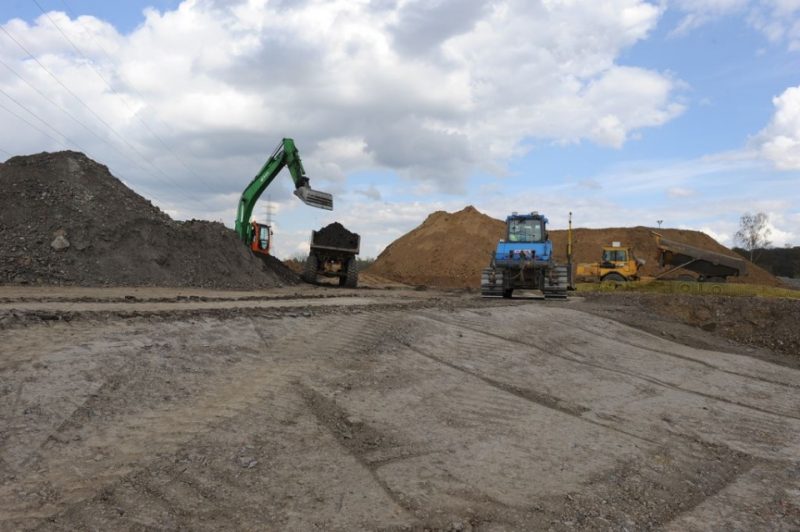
314 198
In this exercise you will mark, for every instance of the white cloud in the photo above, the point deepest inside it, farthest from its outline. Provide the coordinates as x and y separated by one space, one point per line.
778 20
700 12
371 192
779 142
680 192
433 91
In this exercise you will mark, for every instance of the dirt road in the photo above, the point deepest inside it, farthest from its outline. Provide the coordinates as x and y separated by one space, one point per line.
389 410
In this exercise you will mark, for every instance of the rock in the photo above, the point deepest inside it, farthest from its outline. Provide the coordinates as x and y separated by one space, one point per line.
247 462
60 243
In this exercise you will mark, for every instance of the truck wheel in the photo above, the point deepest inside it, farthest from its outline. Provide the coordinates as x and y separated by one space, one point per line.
615 278
351 280
507 293
309 274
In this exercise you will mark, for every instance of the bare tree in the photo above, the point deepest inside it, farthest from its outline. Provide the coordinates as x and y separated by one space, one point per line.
753 232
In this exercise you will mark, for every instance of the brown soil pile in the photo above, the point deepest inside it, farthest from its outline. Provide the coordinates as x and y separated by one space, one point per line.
451 249
448 249
109 235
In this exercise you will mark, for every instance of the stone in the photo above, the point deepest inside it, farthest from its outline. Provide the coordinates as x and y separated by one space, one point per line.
60 243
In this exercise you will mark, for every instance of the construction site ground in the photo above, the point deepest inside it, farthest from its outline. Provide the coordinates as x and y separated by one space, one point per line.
304 408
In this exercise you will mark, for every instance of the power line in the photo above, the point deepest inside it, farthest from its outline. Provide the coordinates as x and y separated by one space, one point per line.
72 14
59 107
74 118
37 128
98 117
112 89
37 117
4 151
84 104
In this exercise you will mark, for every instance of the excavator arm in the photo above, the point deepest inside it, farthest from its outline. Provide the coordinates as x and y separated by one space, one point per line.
285 155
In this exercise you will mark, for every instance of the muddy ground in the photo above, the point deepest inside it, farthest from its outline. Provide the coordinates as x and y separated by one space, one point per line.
309 408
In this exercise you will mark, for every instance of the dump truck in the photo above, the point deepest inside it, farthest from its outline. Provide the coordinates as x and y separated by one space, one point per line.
618 263
524 260
709 266
332 253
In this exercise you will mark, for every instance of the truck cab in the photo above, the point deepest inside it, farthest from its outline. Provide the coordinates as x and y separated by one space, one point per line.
617 263
526 240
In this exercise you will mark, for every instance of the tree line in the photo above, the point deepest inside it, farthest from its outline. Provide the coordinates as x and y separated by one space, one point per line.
753 243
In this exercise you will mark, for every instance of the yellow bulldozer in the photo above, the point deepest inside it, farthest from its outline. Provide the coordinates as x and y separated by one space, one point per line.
618 264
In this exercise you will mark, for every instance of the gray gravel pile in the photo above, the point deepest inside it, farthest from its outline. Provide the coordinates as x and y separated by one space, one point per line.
64 219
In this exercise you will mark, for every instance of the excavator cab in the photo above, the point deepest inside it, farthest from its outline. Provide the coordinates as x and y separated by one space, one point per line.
262 238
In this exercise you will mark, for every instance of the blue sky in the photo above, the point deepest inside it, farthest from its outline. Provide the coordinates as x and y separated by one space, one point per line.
623 112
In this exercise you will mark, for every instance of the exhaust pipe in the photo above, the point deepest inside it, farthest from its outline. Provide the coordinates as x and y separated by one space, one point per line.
314 198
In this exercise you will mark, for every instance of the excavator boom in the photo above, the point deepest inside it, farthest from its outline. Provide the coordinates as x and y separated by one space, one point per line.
285 155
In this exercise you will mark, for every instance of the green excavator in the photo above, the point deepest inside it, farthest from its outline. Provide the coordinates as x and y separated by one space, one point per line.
258 236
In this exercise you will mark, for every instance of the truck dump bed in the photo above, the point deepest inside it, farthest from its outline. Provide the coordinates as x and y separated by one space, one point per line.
335 237
707 263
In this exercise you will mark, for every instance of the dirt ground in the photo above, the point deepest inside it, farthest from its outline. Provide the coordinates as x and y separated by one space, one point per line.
308 408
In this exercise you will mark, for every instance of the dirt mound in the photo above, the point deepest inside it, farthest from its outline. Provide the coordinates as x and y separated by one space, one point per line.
451 249
335 235
448 249
65 219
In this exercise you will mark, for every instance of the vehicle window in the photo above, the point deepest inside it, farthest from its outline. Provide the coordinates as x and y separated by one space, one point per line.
525 231
614 255
263 237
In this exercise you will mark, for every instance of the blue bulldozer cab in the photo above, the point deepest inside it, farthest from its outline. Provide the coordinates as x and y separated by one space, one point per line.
526 240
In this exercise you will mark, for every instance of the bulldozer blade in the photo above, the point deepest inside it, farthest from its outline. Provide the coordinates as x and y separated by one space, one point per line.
314 198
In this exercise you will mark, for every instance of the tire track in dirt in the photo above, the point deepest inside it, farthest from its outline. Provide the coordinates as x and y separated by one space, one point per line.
579 358
544 400
349 335
27 440
133 438
598 331
356 438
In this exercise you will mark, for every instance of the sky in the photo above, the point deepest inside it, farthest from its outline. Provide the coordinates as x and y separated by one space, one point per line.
623 112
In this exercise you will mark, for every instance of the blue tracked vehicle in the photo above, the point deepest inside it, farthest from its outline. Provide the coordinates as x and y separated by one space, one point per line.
524 260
